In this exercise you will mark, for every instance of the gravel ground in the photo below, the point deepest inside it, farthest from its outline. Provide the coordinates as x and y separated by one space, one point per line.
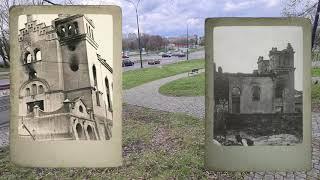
147 95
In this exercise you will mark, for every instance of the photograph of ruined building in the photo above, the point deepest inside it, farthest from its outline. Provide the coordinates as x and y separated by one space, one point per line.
66 85
262 107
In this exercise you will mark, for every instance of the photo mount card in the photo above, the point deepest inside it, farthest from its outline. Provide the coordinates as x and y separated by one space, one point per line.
258 94
66 86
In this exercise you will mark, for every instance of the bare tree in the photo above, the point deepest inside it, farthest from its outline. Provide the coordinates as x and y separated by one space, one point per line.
303 8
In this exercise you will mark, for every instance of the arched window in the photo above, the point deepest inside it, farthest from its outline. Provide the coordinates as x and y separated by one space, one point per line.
37 54
76 28
79 130
41 90
34 89
98 98
87 28
91 133
62 31
92 34
255 93
70 30
94 71
28 92
108 93
80 108
28 57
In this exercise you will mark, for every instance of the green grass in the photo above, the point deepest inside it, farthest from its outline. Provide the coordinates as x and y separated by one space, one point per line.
315 72
315 93
137 77
188 86
156 144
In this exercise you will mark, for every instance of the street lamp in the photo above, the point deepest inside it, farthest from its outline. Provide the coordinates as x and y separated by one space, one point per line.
188 35
187 41
139 37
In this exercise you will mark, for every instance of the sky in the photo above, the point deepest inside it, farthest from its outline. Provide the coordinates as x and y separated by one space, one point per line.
171 17
248 43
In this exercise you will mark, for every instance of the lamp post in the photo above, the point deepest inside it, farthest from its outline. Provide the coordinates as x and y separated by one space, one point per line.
188 34
139 37
187 41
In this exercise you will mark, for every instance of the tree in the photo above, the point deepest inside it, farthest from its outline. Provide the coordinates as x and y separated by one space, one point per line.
302 8
305 8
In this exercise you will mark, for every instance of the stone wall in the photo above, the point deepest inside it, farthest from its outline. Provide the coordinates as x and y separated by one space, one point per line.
265 124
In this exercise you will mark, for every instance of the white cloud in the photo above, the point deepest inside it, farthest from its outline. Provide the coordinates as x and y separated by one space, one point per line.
231 6
170 17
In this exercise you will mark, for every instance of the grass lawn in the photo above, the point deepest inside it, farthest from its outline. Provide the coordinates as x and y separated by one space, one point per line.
315 93
315 72
156 144
137 77
188 86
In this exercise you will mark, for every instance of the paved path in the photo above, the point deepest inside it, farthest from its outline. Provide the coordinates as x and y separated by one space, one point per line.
147 95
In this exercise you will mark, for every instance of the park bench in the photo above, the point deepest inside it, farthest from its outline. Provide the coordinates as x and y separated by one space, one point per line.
193 71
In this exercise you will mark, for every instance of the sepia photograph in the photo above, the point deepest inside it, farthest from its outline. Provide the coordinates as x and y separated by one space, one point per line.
66 77
258 87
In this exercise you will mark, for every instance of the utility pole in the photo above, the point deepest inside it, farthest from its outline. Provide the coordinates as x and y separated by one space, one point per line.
188 41
139 37
315 24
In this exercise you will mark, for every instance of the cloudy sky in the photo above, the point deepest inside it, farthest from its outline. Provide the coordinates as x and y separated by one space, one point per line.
170 17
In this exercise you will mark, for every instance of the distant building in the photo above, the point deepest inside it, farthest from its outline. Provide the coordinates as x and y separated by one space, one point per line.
65 86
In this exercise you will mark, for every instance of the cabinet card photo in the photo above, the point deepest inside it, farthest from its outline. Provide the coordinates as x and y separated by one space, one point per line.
68 78
258 94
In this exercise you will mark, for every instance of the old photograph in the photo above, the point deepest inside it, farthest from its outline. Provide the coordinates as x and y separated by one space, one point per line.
66 77
258 88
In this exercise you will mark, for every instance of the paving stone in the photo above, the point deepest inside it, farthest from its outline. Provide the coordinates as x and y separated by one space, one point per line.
4 136
268 177
278 177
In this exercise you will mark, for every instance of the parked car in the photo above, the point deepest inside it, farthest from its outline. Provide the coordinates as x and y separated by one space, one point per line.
153 62
127 62
166 55
179 54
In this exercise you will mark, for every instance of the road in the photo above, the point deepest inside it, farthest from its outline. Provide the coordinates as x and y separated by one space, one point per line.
4 104
145 58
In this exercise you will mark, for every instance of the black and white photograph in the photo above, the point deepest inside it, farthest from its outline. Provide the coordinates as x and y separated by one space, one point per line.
66 77
258 89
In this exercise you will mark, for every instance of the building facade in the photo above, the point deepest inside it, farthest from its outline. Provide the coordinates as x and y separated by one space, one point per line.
66 86
269 89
